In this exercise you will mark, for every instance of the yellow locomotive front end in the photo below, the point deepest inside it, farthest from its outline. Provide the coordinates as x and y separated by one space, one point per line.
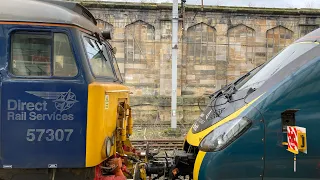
109 121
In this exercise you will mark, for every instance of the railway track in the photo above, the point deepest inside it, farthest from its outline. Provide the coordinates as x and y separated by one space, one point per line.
158 144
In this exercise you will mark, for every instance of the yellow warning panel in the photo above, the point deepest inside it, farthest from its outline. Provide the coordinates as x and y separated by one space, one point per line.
302 139
297 139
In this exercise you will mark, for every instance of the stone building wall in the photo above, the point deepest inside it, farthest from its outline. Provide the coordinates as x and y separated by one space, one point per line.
216 46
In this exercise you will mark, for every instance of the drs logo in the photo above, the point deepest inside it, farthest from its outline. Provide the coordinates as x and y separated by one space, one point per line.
292 137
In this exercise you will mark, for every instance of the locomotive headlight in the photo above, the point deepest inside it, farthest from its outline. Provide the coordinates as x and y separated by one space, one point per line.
109 143
225 134
108 146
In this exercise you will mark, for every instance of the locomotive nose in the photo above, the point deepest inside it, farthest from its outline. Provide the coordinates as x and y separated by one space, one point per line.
195 159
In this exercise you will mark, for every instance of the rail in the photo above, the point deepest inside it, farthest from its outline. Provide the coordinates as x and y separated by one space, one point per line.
159 144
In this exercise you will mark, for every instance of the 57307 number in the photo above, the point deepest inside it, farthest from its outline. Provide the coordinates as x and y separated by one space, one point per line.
48 134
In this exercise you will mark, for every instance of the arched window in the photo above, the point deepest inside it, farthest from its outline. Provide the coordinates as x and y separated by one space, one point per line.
201 58
140 58
140 42
278 38
241 51
201 44
307 28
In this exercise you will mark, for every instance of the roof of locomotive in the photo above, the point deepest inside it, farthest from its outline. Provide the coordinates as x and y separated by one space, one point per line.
48 11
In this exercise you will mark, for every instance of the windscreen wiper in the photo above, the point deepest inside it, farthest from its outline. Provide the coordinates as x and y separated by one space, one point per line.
215 94
229 90
232 89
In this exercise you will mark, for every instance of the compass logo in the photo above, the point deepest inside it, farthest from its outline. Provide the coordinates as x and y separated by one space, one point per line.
62 100
65 101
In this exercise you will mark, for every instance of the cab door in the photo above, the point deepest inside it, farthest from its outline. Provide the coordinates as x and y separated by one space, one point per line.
294 103
44 100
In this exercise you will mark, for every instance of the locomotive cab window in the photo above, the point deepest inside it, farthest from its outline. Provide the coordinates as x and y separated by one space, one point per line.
99 61
115 65
42 55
